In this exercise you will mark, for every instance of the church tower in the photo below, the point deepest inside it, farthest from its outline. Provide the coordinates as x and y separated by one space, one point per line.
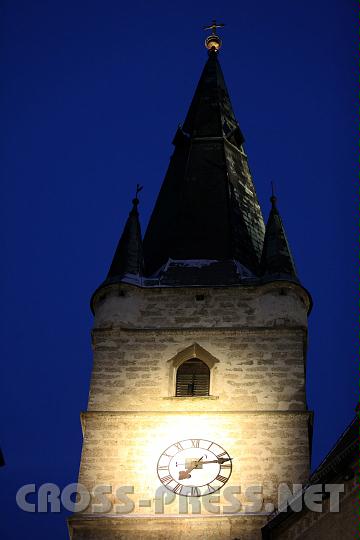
197 408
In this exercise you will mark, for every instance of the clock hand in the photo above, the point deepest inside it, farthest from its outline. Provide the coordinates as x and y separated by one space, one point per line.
219 460
183 475
224 460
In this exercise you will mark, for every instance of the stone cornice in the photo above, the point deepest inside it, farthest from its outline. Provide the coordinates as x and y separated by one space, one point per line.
288 414
196 329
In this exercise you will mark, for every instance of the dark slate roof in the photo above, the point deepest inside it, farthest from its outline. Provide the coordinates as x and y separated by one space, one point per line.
207 207
276 260
206 228
337 464
128 258
204 273
336 460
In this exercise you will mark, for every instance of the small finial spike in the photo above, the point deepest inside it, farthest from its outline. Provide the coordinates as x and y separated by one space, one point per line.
213 42
273 198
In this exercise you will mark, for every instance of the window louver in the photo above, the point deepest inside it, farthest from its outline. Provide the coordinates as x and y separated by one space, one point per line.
193 378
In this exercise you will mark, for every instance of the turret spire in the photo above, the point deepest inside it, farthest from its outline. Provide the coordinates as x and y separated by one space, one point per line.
128 258
276 261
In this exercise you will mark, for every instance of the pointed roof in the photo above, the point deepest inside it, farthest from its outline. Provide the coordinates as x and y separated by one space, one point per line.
211 113
206 229
207 208
276 260
128 258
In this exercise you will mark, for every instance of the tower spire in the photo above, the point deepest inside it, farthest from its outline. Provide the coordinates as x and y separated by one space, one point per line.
276 260
207 207
128 258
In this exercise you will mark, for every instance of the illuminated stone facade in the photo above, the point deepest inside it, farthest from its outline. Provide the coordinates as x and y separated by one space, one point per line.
254 341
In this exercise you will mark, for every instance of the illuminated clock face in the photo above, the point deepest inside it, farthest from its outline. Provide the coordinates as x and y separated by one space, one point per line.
194 467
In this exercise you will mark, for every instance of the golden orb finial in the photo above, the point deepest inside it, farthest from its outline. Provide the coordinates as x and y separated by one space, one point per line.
213 42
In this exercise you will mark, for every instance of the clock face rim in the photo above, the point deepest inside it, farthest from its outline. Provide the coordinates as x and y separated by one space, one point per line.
195 486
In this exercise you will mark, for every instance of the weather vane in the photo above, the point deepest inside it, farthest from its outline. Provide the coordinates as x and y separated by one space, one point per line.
213 42
138 189
136 199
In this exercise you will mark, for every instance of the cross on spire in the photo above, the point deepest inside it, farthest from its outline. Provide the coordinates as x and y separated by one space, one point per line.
213 42
213 26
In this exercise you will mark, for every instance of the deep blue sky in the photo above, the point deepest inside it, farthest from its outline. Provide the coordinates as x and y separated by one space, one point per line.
91 95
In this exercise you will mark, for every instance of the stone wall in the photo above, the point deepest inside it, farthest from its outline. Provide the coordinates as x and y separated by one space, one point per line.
123 448
254 341
257 369
271 304
257 335
184 528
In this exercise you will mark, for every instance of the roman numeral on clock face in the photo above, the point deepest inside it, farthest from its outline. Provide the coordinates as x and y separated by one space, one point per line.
221 455
177 488
163 468
221 479
225 466
195 491
195 443
179 446
166 479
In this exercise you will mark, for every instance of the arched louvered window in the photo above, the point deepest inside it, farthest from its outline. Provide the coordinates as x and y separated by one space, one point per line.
193 378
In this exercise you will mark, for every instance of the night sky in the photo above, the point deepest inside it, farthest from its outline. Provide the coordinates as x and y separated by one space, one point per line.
91 95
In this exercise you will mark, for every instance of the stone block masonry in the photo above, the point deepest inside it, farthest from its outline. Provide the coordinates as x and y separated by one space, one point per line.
254 342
